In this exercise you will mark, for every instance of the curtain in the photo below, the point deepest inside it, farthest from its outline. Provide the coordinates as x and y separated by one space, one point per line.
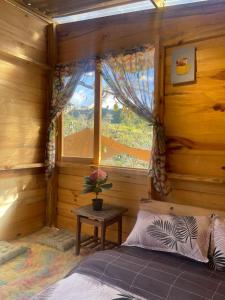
130 76
66 78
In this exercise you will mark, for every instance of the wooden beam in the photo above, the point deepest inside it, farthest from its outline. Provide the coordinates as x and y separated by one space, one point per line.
97 118
52 45
196 178
19 4
24 59
53 181
22 167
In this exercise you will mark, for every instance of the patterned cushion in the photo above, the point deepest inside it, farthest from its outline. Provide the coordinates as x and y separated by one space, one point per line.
217 247
185 235
9 251
58 238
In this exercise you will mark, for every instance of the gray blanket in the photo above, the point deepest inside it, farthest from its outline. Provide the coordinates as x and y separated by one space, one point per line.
154 275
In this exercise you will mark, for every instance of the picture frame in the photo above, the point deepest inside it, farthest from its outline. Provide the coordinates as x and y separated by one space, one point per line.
183 69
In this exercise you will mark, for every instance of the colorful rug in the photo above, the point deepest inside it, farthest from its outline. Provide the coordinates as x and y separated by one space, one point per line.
28 274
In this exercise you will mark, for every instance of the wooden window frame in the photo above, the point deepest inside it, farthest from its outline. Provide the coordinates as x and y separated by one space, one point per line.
97 130
96 160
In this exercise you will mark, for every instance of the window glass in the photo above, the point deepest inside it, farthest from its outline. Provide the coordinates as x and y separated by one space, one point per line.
126 138
78 120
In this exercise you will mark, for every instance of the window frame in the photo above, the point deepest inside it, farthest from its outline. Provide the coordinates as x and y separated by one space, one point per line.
95 161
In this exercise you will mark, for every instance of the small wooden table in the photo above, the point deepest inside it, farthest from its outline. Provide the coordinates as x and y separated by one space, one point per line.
107 216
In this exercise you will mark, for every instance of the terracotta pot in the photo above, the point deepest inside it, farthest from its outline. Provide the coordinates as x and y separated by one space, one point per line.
97 204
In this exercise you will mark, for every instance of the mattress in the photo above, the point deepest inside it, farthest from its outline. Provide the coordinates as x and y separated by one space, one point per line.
154 275
135 273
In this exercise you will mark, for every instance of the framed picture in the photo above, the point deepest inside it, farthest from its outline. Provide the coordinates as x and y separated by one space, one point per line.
183 65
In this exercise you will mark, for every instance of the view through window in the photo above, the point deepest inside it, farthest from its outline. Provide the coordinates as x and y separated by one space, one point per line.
126 138
78 120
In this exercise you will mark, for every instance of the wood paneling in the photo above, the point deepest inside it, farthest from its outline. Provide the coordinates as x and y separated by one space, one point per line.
23 85
101 35
128 188
194 113
197 145
22 203
177 25
21 33
170 208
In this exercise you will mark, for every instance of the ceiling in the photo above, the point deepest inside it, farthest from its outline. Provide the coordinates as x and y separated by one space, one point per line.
58 8
66 8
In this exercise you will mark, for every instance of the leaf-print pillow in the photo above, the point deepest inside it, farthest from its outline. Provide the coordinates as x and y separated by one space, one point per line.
185 235
217 247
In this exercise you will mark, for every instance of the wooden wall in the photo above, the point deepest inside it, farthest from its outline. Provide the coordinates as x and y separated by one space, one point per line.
176 26
195 127
128 186
23 96
194 113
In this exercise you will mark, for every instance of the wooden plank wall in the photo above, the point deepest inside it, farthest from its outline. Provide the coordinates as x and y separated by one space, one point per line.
195 127
23 60
128 186
194 113
175 25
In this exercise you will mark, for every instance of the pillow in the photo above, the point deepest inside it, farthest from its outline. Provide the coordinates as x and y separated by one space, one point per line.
185 235
9 251
59 239
217 246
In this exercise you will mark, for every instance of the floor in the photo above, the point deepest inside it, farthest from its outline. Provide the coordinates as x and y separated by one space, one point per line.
29 273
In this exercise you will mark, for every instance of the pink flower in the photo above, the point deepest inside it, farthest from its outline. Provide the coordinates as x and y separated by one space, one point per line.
98 175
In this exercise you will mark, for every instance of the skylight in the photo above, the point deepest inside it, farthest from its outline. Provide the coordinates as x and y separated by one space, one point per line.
120 9
178 2
117 10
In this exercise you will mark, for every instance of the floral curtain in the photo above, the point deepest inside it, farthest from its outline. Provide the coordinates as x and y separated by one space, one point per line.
130 76
66 78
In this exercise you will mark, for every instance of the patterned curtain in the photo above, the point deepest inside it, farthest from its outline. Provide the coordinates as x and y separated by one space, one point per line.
130 75
66 78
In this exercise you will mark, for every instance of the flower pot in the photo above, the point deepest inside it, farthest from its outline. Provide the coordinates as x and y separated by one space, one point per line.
97 204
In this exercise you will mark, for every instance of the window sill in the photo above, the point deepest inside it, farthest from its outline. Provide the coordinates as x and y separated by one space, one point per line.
75 162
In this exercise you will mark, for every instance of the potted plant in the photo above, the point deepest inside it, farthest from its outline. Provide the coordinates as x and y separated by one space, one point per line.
96 183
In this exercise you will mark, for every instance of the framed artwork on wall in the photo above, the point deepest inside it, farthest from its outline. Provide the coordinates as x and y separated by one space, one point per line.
183 68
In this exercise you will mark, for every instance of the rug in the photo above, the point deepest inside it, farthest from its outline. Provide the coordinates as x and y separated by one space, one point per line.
31 272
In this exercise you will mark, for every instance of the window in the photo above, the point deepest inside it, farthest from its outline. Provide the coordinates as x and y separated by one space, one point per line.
78 120
125 137
123 140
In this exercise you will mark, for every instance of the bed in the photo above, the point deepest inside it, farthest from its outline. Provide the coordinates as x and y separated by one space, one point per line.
129 273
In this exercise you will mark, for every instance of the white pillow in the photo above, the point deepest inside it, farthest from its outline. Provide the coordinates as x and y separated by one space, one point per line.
185 235
217 249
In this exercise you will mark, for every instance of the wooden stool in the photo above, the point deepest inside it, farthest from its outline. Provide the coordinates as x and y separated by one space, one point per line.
106 217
